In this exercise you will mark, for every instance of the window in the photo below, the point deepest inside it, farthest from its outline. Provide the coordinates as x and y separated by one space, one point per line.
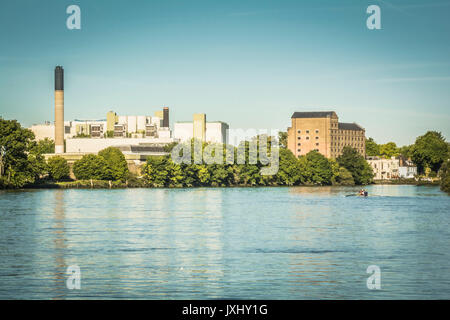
317 138
317 131
299 144
317 144
299 138
307 138
299 131
307 131
299 150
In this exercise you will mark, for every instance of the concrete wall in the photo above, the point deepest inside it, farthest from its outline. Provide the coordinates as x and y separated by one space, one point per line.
183 131
141 122
132 124
42 131
96 145
216 132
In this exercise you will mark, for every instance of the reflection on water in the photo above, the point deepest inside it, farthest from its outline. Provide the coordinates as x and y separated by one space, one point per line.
59 245
255 243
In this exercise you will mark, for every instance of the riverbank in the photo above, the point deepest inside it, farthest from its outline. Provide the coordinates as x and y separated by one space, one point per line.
140 183
412 182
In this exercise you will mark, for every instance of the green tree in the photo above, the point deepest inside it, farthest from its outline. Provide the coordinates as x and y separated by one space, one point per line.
116 162
161 171
445 176
170 146
175 174
204 177
317 168
341 176
91 166
191 172
249 174
355 163
18 166
155 171
405 151
429 151
389 150
58 169
289 171
282 139
372 148
44 146
220 175
344 177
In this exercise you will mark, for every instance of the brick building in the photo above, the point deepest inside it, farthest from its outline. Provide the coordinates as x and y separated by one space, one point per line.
323 132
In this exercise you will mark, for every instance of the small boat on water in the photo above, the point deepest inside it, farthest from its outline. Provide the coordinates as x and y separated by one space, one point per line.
356 195
361 193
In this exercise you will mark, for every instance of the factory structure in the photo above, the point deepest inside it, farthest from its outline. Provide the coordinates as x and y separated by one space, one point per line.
137 136
200 129
59 110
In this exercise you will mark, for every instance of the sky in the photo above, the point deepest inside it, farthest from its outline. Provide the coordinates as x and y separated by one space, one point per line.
248 63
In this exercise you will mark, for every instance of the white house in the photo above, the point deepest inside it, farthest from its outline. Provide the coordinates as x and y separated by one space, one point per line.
393 168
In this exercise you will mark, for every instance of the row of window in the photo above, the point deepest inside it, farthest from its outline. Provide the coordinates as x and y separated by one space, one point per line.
307 138
340 149
346 144
307 131
300 150
348 138
299 144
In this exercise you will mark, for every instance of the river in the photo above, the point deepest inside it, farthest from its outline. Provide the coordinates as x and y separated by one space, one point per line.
225 243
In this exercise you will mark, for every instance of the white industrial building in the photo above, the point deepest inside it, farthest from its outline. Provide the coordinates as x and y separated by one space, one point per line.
47 130
117 126
215 132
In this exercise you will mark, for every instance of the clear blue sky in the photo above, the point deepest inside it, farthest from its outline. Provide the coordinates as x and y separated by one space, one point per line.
248 63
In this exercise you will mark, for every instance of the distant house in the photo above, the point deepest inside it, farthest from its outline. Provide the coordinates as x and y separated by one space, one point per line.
393 168
406 169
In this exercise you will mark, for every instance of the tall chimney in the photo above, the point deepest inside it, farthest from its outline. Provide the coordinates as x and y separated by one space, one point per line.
165 117
59 109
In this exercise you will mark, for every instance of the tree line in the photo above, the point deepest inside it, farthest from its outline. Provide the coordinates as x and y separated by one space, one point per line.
310 169
22 163
428 152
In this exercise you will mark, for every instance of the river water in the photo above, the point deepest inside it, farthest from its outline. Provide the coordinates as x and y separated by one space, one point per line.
225 243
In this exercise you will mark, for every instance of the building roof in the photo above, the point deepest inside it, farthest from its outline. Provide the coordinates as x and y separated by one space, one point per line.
316 114
349 126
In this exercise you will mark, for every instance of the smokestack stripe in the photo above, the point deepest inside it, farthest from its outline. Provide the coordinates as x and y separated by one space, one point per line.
59 78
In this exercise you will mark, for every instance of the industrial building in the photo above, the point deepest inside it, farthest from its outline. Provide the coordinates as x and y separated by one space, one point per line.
322 131
200 129
114 126
123 126
137 136
78 145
